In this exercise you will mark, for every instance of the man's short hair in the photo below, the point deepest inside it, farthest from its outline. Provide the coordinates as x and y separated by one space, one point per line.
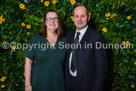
78 6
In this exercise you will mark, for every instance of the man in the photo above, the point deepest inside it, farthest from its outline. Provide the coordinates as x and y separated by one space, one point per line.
86 67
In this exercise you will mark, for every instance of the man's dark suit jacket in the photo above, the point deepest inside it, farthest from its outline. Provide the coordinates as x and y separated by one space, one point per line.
91 63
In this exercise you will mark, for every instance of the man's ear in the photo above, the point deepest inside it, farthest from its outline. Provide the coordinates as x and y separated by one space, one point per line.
88 17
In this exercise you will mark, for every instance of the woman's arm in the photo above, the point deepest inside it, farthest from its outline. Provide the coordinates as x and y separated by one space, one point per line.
28 65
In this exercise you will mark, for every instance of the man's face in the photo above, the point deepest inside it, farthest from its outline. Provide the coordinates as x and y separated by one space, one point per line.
80 17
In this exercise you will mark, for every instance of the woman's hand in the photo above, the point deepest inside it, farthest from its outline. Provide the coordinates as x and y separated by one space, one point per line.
28 88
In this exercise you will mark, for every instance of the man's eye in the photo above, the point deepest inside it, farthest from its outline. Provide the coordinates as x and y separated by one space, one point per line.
55 18
76 16
83 16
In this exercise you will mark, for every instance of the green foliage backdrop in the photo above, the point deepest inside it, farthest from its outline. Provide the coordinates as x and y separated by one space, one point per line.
116 19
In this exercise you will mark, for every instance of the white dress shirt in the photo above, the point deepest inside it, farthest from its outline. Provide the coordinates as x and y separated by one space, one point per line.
82 32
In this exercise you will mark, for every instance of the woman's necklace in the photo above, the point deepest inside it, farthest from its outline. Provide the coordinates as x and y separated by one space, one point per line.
52 40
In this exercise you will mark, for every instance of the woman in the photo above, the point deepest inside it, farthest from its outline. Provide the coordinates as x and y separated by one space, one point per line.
47 71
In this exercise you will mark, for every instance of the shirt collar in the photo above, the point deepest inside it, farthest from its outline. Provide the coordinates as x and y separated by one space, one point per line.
82 31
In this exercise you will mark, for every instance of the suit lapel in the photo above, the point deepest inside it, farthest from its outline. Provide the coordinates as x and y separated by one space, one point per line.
85 36
71 38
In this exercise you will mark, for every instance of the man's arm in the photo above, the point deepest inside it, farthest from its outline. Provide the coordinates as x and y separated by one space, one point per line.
101 64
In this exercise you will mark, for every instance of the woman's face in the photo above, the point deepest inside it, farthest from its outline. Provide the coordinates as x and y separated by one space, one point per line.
51 21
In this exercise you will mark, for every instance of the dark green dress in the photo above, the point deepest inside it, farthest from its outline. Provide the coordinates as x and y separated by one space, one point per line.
47 71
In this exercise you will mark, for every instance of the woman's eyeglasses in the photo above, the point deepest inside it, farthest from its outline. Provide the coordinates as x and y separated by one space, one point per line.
52 19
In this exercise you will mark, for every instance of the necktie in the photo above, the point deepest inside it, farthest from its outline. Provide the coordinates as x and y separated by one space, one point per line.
73 60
